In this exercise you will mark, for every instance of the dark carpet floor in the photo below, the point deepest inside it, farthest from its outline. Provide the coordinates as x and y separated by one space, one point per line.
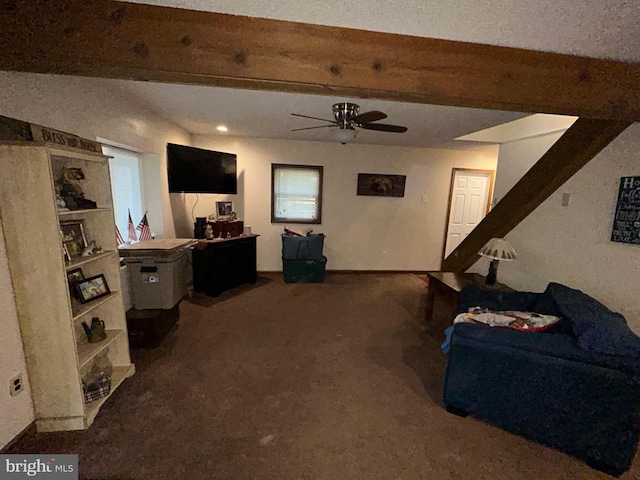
331 381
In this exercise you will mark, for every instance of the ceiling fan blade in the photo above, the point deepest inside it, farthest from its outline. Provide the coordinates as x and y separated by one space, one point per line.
312 118
366 117
383 127
311 128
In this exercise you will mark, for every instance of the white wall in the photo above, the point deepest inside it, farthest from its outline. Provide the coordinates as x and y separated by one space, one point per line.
571 244
94 108
516 158
363 233
90 108
15 412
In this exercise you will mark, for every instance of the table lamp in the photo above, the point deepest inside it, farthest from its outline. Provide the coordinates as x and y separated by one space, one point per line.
496 249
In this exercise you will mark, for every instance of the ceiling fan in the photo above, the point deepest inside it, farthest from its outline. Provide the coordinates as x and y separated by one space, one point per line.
347 118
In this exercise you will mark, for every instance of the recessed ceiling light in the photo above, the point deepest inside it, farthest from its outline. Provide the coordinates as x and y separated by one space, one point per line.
222 128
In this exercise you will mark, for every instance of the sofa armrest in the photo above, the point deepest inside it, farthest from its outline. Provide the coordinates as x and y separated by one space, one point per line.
496 300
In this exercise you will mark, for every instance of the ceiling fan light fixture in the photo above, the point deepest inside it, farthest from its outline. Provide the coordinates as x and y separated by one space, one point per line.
345 135
346 116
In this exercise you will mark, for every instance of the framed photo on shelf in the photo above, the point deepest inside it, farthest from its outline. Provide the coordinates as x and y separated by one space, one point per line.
74 238
91 288
74 276
224 210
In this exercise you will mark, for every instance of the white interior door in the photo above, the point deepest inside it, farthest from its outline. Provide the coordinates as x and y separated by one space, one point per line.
470 190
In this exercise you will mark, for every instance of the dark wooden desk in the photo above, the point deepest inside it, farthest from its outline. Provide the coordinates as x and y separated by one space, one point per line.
447 286
219 265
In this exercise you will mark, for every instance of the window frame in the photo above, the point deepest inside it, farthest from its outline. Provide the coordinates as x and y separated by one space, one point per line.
318 219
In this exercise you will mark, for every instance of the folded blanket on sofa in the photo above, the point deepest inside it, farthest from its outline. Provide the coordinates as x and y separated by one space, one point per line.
521 321
514 319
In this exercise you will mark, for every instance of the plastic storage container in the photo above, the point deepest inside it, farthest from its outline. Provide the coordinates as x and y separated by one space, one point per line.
304 271
158 282
295 247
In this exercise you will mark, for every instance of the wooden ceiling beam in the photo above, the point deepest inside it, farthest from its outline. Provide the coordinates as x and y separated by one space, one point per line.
579 144
110 39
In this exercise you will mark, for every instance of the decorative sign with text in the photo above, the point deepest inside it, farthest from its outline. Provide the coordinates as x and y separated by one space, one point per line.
48 135
626 225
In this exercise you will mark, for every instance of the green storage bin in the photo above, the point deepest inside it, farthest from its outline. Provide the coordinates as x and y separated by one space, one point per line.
304 271
295 247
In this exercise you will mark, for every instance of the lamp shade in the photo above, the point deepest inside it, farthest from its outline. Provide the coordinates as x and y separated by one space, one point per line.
345 135
498 249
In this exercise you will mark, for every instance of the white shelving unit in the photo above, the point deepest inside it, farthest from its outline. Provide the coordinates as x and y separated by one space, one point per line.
50 317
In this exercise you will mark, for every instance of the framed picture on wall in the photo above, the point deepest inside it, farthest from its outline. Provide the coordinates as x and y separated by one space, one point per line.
381 185
224 210
626 220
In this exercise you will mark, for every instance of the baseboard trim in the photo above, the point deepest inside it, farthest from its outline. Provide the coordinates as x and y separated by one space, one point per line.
29 428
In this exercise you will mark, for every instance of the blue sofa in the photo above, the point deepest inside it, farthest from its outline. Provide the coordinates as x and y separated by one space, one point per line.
575 387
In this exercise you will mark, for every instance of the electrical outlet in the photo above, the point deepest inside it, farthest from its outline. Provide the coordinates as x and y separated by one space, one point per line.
425 199
566 198
15 385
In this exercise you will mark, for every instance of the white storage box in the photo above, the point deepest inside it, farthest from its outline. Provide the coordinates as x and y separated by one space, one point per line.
158 276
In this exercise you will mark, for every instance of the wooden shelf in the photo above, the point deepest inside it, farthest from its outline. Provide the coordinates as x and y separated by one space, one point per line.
86 350
82 310
82 212
61 152
54 343
84 260
117 377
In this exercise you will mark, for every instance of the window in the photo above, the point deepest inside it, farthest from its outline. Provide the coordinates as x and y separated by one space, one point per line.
296 193
126 186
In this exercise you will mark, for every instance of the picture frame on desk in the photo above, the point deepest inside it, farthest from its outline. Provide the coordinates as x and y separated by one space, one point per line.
224 210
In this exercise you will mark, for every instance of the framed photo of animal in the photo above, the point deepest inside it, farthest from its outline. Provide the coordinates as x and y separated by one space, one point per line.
381 185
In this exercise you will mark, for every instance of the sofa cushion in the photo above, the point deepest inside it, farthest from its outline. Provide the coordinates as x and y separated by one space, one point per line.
546 305
598 329
548 344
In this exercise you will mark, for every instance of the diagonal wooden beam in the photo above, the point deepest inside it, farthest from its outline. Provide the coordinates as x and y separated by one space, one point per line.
579 144
105 38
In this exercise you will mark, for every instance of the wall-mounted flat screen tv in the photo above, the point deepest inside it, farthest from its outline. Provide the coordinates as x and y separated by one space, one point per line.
195 170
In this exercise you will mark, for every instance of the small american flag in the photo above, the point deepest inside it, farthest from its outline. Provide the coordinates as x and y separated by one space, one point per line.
119 238
143 227
131 229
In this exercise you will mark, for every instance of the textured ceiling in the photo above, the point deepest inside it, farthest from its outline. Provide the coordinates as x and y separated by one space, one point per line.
595 28
249 113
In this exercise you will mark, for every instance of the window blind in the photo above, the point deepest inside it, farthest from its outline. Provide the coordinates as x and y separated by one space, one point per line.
296 193
126 186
